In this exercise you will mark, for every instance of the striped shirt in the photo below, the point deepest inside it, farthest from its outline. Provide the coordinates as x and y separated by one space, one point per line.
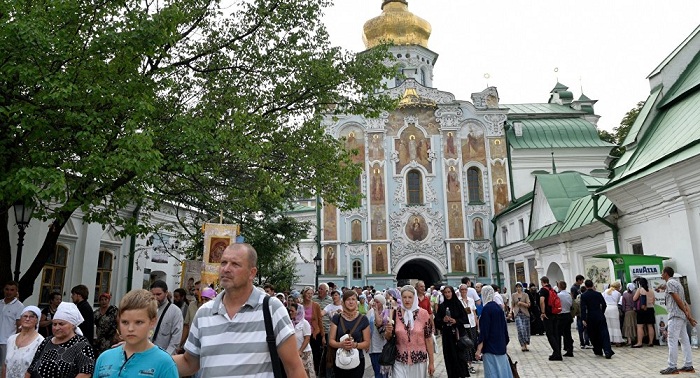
236 347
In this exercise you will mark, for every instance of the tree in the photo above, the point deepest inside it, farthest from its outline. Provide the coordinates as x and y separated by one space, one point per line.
109 105
619 133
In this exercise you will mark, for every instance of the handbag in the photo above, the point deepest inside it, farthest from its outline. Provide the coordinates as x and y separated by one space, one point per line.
464 342
388 355
347 359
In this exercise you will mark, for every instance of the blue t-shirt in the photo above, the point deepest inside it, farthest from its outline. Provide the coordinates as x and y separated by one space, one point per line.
152 363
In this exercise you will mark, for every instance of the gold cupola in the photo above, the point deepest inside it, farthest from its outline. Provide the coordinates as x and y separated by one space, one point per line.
396 24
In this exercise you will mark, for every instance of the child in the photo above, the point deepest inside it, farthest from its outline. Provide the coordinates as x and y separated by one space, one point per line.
137 356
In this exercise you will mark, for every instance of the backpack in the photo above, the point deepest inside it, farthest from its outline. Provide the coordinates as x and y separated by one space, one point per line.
553 301
576 307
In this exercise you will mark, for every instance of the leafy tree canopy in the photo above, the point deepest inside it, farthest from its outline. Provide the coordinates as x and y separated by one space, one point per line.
106 105
619 133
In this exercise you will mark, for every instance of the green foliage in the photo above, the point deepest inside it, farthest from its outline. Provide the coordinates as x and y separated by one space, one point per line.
109 105
619 133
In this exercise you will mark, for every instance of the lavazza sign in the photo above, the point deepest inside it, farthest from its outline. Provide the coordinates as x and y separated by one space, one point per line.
644 270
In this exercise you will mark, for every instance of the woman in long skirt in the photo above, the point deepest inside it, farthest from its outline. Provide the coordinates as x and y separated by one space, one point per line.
521 305
536 325
629 325
612 313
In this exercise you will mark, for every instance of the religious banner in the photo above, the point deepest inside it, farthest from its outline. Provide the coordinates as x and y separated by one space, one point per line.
191 273
216 238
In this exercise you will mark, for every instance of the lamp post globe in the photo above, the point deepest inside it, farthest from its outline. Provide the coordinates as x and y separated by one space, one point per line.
23 215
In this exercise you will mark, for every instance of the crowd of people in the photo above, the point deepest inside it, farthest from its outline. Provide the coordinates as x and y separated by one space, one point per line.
163 334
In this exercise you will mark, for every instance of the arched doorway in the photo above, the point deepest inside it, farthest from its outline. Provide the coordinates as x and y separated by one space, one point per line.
554 273
418 269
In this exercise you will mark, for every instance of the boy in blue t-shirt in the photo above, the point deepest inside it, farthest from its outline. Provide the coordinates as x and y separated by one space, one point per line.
137 356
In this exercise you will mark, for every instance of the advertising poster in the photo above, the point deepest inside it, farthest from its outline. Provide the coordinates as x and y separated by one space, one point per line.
216 238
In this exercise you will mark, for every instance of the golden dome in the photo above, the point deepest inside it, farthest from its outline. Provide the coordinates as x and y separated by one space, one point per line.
398 25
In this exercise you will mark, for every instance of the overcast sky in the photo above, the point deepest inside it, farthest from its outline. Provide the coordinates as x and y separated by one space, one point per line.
608 47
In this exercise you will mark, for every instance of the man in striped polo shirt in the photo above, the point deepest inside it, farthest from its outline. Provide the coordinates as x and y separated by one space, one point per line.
227 336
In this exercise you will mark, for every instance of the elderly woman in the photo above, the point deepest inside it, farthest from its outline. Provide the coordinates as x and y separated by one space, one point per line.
520 303
451 319
414 359
350 322
312 314
629 325
302 331
67 354
493 337
612 314
378 317
106 324
23 345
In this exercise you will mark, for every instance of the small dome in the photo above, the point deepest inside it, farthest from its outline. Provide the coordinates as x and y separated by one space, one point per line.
398 25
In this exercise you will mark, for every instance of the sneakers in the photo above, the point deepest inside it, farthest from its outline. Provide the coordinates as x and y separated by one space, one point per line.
668 371
472 370
687 369
569 354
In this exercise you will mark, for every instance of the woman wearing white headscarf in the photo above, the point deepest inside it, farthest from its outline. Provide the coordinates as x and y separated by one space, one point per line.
22 346
629 325
302 331
67 353
493 338
414 359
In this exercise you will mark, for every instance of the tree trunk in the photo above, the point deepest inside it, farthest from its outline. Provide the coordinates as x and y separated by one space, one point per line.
26 283
5 248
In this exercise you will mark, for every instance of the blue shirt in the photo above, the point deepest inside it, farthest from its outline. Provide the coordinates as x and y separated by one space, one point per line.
151 363
493 330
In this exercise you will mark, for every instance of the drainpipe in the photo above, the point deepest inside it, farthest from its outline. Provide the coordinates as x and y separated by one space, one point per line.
495 251
132 251
510 166
602 220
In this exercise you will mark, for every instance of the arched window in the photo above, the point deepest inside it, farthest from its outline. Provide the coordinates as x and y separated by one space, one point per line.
399 78
422 76
53 274
356 270
104 274
414 191
474 185
481 267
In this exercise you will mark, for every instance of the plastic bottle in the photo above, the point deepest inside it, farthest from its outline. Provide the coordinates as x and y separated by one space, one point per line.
447 312
694 338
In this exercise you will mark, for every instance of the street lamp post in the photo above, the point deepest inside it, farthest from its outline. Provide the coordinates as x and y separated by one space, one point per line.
23 214
317 262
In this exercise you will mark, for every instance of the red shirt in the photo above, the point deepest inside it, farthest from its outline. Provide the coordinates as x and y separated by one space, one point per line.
425 304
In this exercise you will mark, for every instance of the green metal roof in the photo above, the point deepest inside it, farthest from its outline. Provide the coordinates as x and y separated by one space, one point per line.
594 182
674 53
688 80
561 190
520 201
649 104
516 110
559 87
672 137
579 214
583 97
298 208
556 133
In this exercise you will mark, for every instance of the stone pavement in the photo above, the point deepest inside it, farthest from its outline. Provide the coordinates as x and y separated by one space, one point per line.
626 363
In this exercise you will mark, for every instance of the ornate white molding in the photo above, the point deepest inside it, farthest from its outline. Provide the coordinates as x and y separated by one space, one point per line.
448 116
433 244
400 192
486 99
430 195
356 249
358 212
478 209
480 246
377 123
495 124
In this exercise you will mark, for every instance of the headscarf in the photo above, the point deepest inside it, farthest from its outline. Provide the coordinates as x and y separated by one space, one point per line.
453 303
486 294
380 299
408 312
300 314
69 312
36 312
395 294
631 287
208 293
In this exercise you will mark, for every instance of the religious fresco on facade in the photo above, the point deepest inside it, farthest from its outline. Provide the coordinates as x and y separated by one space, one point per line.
376 194
416 228
354 140
376 147
598 271
454 194
500 187
473 143
380 261
454 220
330 259
356 231
450 147
459 262
412 146
478 229
421 116
378 222
497 148
330 223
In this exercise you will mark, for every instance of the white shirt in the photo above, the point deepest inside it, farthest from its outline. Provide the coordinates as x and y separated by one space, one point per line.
472 315
19 359
10 312
301 330
498 299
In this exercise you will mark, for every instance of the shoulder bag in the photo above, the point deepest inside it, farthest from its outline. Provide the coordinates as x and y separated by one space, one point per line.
348 359
277 369
388 355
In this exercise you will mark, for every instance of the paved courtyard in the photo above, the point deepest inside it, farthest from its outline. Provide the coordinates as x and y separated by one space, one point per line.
626 363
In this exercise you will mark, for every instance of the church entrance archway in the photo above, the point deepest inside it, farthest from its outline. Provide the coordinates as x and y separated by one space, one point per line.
554 273
418 269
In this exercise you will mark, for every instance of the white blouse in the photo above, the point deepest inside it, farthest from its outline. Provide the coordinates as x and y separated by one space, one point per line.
18 359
